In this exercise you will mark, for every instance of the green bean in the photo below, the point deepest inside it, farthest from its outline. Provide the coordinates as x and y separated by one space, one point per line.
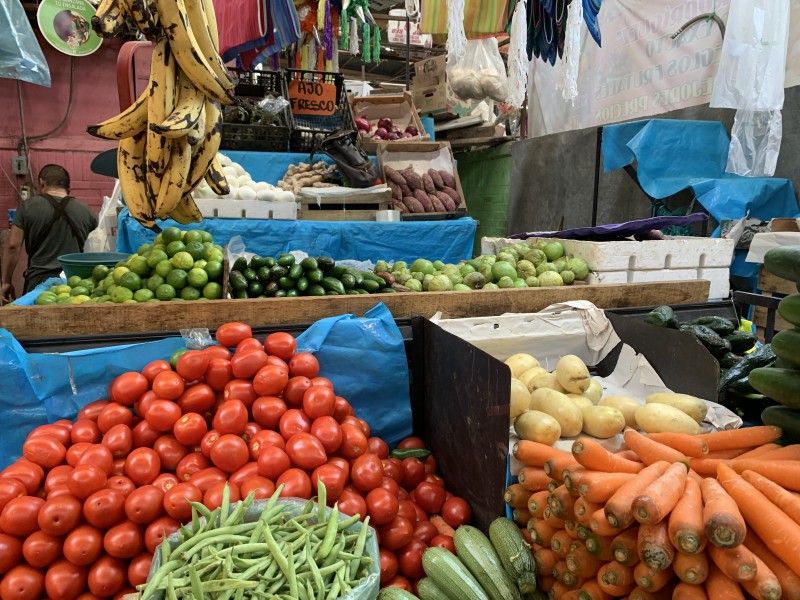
310 590
359 549
226 504
195 520
221 585
241 507
330 533
322 500
239 595
158 577
197 586
276 553
170 592
291 574
333 593
334 555
165 551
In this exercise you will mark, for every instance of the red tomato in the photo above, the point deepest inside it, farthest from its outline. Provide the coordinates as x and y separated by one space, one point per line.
168 385
230 334
354 442
197 398
144 505
243 474
190 429
212 499
240 389
125 540
154 368
144 436
366 472
328 432
294 390
303 364
158 530
229 453
10 489
263 488
248 345
334 479
40 549
408 510
108 576
22 583
92 410
170 451
29 474
413 473
114 414
352 504
399 581
273 462
245 365
85 431
282 345
139 568
104 508
322 381
412 442
119 440
218 373
144 402
75 451
390 485
456 512
217 351
122 484
389 565
430 465
162 415
208 441
85 480
231 417
97 456
270 381
191 464
279 362
263 438
58 516
177 498
318 401
305 451
45 451
425 531
83 545
396 533
10 553
64 581
250 431
443 541
165 481
382 506
429 496
267 411
142 466
379 447
392 469
435 480
341 409
410 559
192 365
62 433
204 479
293 421
296 484
127 388
118 468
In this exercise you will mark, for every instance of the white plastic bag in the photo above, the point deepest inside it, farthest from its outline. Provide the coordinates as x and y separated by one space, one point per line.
755 143
481 73
103 238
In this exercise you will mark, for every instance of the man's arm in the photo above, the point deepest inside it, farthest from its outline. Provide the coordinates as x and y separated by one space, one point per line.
9 264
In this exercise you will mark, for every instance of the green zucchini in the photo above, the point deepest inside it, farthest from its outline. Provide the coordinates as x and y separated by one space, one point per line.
286 260
348 281
314 275
718 325
240 264
308 263
295 271
782 385
786 345
789 309
709 338
476 552
370 286
662 316
784 262
394 593
450 574
331 284
428 590
316 290
372 277
336 271
325 263
511 548
784 417
741 341
762 357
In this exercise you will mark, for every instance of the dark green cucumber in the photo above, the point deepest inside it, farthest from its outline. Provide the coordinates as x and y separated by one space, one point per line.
782 385
762 357
741 341
240 264
316 290
709 338
336 271
729 360
784 262
370 286
718 325
786 345
789 309
325 263
784 417
286 260
331 284
662 316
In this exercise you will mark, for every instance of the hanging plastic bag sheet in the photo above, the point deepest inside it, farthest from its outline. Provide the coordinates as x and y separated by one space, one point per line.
21 56
366 360
29 298
49 387
755 143
481 74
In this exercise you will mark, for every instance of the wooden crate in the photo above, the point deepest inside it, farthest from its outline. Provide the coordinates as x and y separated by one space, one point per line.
352 207
400 108
772 286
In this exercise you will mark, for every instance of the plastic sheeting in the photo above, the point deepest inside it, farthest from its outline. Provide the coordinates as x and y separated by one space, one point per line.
448 241
30 297
21 56
271 166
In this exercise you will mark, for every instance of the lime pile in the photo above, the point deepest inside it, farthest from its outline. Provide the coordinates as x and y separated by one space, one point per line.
178 265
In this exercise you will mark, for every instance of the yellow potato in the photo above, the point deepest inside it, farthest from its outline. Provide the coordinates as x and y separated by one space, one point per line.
519 363
663 418
561 408
527 377
602 421
536 426
580 400
627 406
572 374
520 398
694 407
595 391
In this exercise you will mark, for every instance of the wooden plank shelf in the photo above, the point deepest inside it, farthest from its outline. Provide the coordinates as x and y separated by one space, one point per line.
56 321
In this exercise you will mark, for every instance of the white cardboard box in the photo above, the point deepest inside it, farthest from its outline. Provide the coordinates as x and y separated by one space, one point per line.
247 209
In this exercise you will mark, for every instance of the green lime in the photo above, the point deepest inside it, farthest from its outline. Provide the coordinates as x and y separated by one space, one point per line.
177 278
171 234
108 281
212 291
154 300
200 264
161 247
159 239
62 289
143 295
214 270
111 288
213 255
63 295
182 260
165 292
156 256
78 299
197 278
206 237
174 247
121 294
45 298
163 268
105 298
139 265
196 249
190 293
193 235
87 283
78 290
99 272
74 280
173 360
131 281
131 301
144 249
118 272
153 283
98 291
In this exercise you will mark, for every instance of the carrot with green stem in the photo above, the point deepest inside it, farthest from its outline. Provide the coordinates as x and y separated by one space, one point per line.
541 531
775 528
660 497
556 465
616 579
545 560
583 510
747 437
723 523
650 580
684 443
737 563
597 487
537 503
719 585
534 454
651 451
533 479
618 508
625 548
582 563
600 546
654 547
592 455
790 581
516 496
765 585
691 568
685 525
562 503
786 501
591 590
686 591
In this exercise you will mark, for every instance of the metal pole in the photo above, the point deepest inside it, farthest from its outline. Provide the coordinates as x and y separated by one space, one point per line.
408 52
596 192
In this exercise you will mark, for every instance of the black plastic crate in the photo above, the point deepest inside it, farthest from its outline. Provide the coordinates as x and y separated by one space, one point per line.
307 130
264 138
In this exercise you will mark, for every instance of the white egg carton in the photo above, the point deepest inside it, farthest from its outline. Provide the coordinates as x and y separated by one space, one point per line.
223 208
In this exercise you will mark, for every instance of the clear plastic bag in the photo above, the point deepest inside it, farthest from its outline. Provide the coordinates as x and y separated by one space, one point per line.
755 143
273 105
21 56
481 73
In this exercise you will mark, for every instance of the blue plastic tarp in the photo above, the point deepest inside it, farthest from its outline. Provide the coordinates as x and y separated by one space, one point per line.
271 166
448 241
28 299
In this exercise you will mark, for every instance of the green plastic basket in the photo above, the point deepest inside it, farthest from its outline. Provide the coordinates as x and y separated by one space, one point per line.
81 264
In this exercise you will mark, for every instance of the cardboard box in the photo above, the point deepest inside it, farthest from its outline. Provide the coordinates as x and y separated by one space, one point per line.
399 108
432 94
396 31
782 225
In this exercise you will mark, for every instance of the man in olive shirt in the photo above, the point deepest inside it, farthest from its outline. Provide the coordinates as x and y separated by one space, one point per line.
51 224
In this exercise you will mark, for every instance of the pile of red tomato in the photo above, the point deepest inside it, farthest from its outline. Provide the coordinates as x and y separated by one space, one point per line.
85 507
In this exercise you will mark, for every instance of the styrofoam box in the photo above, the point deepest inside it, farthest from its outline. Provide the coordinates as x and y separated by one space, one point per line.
247 209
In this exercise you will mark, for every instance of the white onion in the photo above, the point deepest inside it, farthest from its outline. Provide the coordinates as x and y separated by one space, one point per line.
247 193
265 195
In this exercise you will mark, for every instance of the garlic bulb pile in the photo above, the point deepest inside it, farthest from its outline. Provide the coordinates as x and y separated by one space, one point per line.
242 186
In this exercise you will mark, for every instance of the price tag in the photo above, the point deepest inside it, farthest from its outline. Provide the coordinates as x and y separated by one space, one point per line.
312 97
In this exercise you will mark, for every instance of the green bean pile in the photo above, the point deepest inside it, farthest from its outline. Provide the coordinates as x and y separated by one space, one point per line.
310 556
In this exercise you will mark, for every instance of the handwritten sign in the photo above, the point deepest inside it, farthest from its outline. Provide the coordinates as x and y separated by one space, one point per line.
312 97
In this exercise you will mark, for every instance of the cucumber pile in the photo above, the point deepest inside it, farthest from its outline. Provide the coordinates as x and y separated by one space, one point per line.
781 382
267 277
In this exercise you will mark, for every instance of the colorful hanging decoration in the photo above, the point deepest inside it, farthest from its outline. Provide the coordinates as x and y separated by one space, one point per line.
366 53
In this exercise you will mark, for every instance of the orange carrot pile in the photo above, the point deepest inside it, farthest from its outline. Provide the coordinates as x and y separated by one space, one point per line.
673 516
